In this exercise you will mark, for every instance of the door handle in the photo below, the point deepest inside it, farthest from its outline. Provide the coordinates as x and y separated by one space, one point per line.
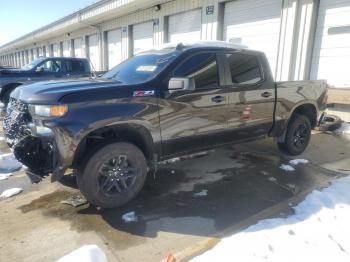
266 94
218 99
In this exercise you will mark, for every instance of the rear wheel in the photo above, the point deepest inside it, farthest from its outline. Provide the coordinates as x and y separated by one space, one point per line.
113 175
298 135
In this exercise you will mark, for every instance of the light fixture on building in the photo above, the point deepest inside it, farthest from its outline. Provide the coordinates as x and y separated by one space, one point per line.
157 8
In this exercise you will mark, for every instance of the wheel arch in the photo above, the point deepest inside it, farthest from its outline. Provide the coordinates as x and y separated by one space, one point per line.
135 134
8 87
308 109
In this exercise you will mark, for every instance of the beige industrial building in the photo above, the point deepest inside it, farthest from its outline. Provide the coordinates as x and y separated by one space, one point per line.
303 39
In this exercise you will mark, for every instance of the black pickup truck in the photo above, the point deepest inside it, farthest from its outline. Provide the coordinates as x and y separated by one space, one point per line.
159 104
41 69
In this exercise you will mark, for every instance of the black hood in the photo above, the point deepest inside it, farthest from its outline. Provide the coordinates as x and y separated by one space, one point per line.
14 72
52 91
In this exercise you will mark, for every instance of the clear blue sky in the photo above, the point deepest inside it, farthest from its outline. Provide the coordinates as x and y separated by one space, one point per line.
19 17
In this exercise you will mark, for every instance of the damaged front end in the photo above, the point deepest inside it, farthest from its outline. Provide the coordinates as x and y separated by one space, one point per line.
37 153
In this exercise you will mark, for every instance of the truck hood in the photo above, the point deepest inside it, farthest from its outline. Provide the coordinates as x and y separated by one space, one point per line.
52 91
12 72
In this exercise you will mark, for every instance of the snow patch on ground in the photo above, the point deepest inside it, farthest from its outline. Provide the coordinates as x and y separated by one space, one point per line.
5 176
8 163
296 162
318 231
88 253
287 168
129 217
201 194
344 129
11 192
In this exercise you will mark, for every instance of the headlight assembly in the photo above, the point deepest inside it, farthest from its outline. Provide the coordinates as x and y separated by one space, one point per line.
49 110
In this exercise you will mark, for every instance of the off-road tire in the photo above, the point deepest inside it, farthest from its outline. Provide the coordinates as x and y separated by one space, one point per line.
90 173
298 135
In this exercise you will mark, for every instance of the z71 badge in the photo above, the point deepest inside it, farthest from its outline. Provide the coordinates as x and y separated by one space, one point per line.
144 93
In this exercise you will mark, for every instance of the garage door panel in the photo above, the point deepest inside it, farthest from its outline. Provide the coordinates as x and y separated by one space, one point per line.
66 49
114 39
332 43
78 47
143 36
185 27
256 25
94 54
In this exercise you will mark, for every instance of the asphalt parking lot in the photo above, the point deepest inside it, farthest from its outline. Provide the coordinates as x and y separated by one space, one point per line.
237 186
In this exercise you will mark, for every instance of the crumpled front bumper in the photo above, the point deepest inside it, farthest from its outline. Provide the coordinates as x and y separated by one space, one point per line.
38 154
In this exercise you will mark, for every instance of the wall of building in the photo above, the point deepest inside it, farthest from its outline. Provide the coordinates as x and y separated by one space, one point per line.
289 31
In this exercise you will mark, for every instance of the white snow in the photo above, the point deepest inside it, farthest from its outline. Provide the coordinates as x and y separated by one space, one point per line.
318 231
9 163
203 193
129 217
272 179
11 192
287 168
87 253
5 176
344 129
295 162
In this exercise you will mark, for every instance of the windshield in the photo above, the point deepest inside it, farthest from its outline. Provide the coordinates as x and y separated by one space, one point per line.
142 67
32 64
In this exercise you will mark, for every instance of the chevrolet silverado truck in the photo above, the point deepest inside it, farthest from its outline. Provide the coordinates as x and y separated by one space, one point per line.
159 104
41 69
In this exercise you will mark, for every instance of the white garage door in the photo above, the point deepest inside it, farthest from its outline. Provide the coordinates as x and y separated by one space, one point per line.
47 51
94 54
255 24
66 48
331 54
185 27
56 50
78 47
41 52
114 39
35 53
143 36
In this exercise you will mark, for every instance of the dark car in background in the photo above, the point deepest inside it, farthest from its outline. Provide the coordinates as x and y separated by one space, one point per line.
41 69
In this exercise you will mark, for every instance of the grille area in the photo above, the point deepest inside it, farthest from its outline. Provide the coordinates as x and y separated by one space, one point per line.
15 120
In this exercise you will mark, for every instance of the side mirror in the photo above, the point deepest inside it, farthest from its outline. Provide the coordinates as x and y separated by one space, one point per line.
39 70
180 83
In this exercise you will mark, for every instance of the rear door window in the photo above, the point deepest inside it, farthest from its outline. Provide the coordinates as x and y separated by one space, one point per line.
245 69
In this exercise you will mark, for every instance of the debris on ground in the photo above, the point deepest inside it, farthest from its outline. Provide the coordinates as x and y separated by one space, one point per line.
11 192
87 253
287 168
264 173
129 217
344 129
295 162
75 201
170 258
318 230
203 193
8 163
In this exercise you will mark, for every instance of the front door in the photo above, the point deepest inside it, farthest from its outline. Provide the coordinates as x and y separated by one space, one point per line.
191 120
251 97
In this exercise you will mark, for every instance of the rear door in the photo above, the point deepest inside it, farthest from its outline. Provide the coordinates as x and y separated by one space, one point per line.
251 95
193 119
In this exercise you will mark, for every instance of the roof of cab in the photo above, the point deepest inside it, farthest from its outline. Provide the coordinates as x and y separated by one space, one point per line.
195 44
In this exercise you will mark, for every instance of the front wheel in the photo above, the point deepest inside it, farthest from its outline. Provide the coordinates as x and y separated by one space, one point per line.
298 135
113 175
